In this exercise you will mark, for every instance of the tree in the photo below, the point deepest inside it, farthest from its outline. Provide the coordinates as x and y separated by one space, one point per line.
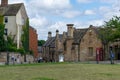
25 39
41 42
114 26
2 41
110 32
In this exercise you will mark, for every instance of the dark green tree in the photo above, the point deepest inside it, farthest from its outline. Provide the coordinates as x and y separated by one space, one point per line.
25 39
110 32
114 28
41 42
2 41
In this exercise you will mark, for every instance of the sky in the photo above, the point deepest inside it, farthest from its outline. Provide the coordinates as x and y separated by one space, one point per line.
50 15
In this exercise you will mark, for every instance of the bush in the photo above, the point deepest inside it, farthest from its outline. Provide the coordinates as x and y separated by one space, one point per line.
21 51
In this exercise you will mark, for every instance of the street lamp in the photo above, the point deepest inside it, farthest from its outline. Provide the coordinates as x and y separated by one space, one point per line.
6 33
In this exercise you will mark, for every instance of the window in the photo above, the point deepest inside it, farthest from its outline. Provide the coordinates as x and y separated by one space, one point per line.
90 51
6 31
6 19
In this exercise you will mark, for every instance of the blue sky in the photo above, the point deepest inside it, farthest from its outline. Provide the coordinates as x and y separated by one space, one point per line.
49 15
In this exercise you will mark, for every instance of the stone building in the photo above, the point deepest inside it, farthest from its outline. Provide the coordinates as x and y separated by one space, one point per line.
14 18
81 44
75 45
49 49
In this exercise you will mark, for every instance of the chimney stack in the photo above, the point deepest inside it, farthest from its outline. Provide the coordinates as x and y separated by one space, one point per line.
57 34
4 2
70 30
49 35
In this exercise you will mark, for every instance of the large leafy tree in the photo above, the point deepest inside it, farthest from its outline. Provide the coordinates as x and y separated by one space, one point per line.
110 32
114 26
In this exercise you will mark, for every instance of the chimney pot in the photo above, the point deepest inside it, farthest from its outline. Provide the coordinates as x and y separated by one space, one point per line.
49 35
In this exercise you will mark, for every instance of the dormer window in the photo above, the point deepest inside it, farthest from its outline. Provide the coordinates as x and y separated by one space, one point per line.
6 20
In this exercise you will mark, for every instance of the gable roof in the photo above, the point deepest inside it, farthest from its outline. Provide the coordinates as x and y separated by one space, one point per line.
78 35
50 42
60 37
10 10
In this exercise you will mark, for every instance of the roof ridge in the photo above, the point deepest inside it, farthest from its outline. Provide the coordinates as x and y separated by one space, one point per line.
15 4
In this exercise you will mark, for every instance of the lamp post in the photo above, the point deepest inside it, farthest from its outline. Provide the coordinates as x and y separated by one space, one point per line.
6 33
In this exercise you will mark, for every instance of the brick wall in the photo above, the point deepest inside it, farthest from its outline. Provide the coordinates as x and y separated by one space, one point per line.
33 41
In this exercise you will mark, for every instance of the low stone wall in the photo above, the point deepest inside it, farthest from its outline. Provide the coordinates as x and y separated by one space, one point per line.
15 58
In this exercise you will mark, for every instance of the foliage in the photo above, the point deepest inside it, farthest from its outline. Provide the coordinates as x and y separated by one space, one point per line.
105 35
31 52
41 42
25 39
1 19
25 36
2 41
110 30
11 45
113 25
21 51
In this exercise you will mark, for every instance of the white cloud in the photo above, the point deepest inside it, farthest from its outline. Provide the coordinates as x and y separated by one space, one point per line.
38 21
107 12
58 25
50 4
48 7
39 12
89 12
95 22
71 14
40 24
84 1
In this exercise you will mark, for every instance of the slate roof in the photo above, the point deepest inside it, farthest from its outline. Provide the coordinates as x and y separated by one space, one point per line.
50 42
60 37
78 35
10 10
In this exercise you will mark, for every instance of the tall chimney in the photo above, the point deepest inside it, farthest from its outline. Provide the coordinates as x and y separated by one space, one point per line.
57 34
49 35
70 30
4 2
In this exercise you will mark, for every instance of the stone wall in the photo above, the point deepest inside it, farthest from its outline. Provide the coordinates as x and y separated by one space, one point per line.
15 58
90 39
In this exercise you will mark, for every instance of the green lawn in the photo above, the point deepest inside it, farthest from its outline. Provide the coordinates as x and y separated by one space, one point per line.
65 71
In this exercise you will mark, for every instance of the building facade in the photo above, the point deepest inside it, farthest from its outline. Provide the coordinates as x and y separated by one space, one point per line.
33 41
76 45
15 17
